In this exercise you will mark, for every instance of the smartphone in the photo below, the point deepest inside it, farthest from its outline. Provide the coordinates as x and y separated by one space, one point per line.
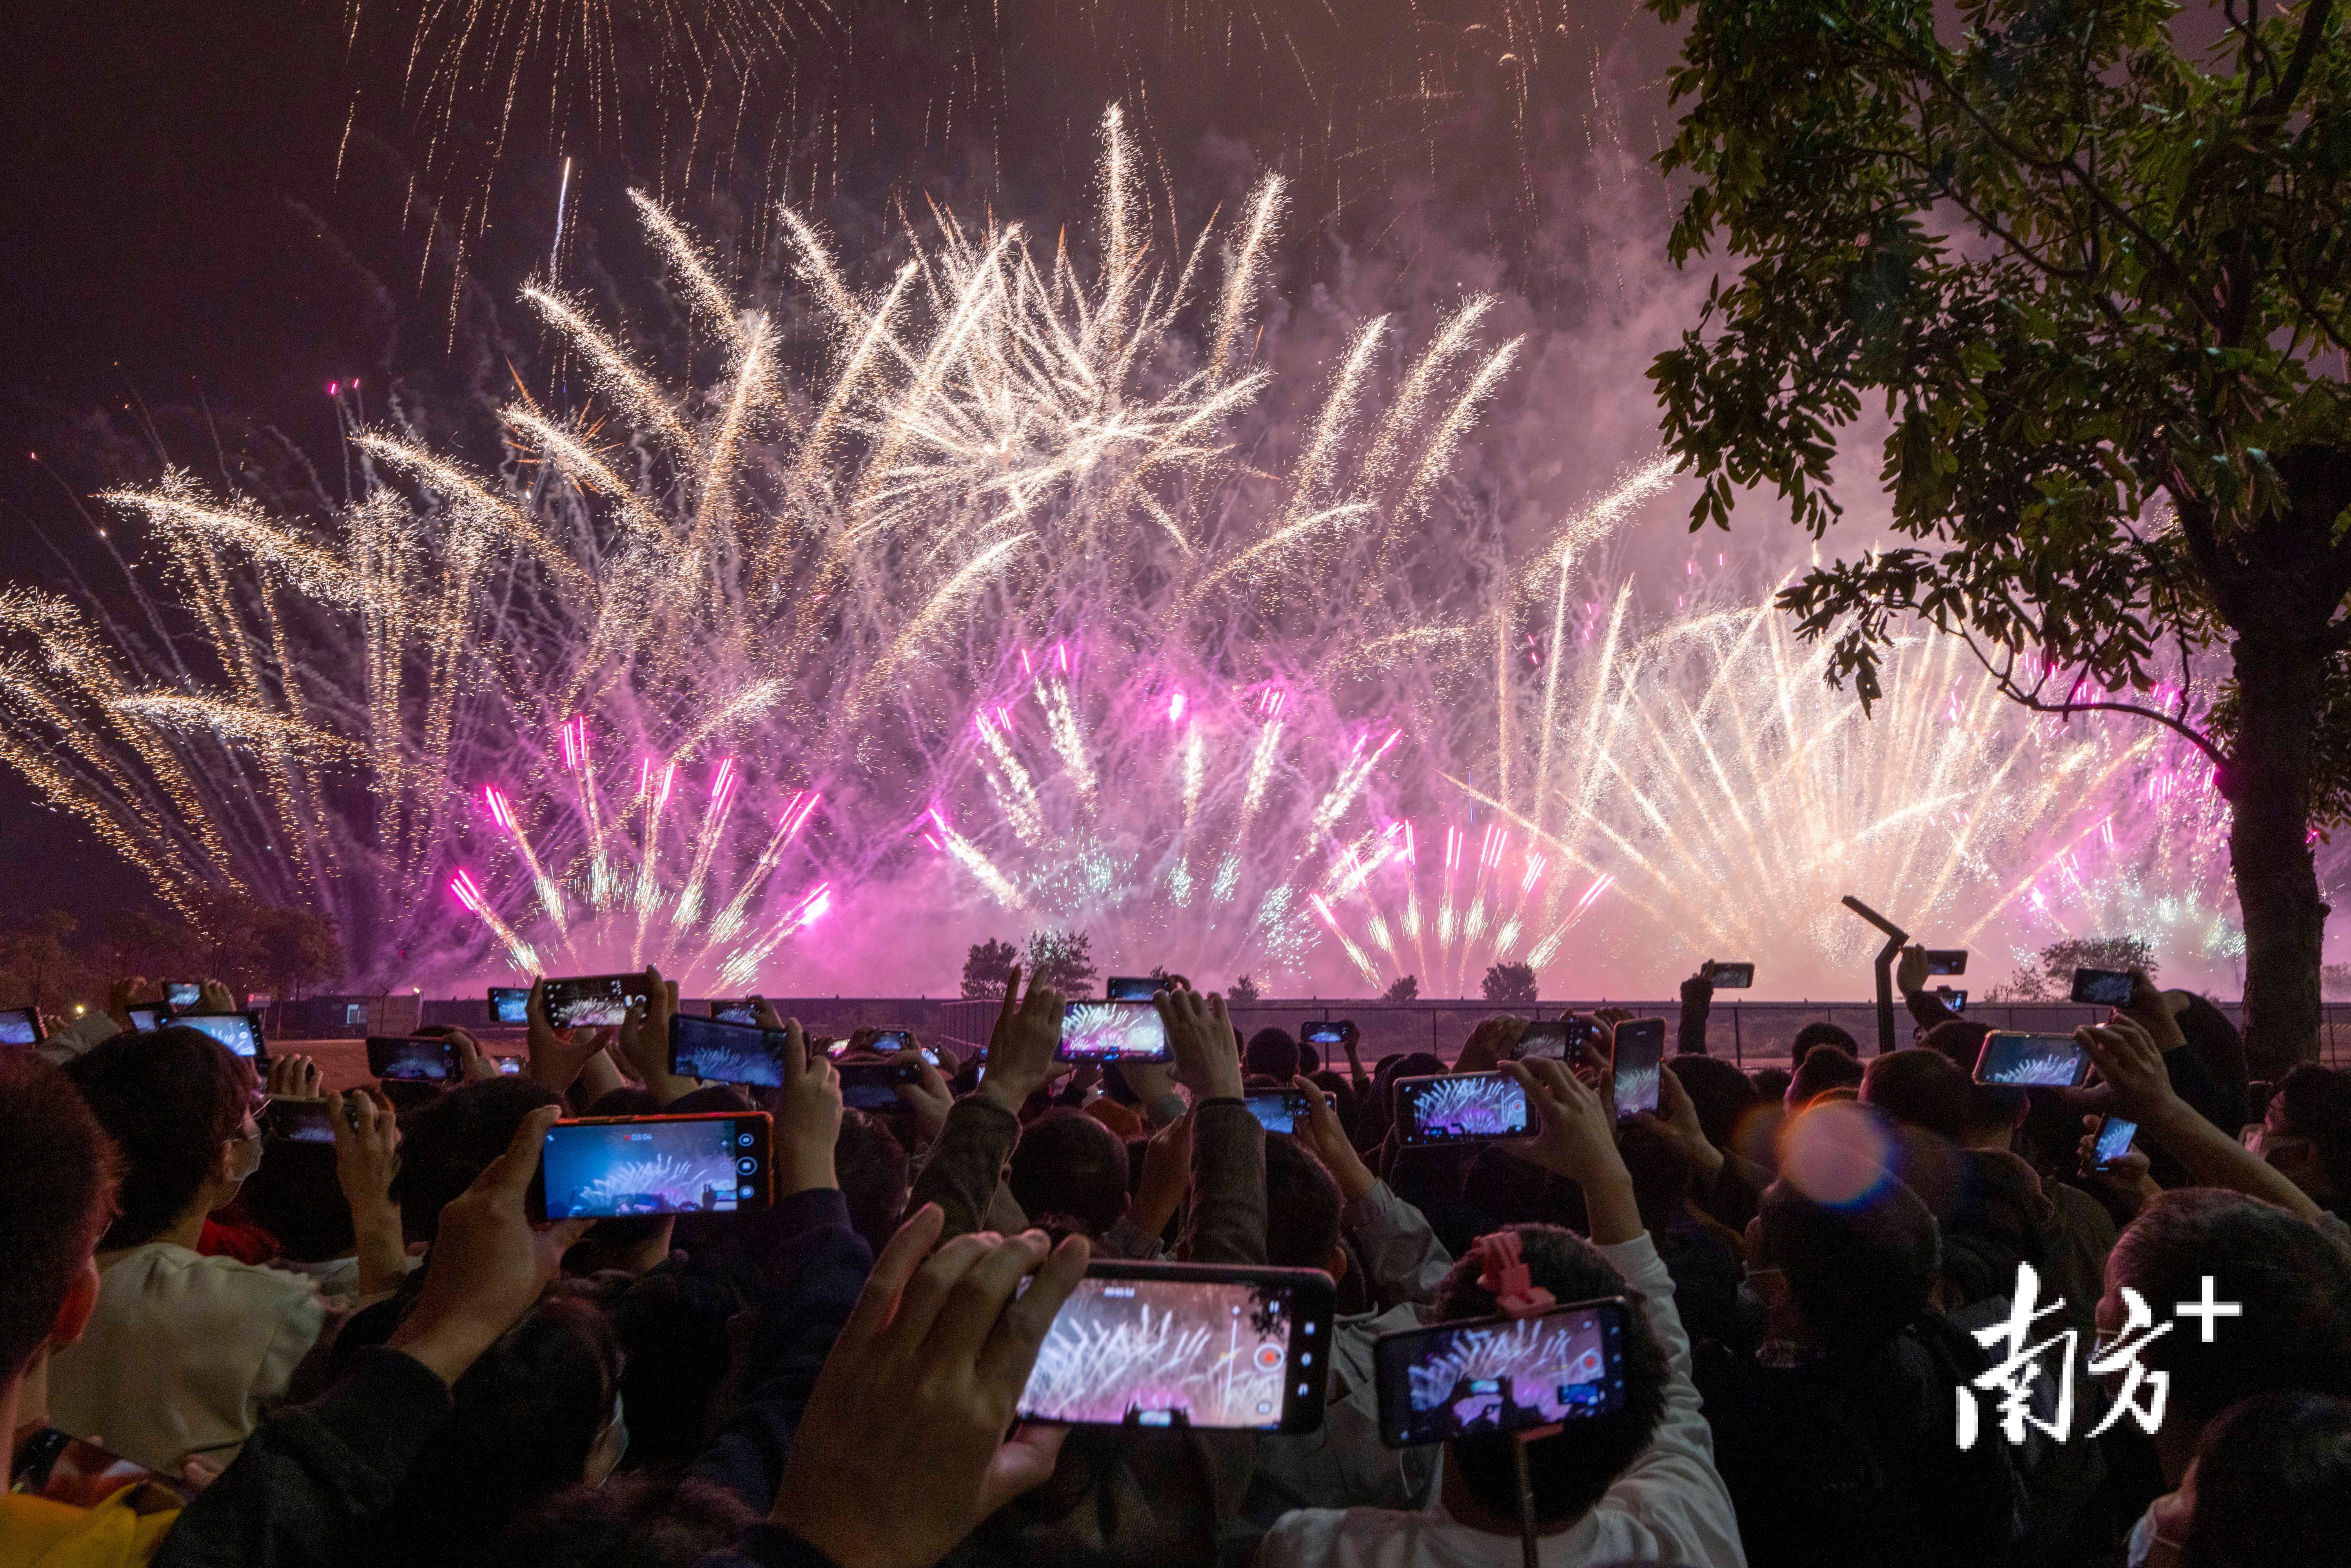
740 1011
1955 1000
1186 1344
1501 1375
2114 1135
412 1059
603 1167
593 1000
1946 960
2038 1061
1733 977
1331 1032
241 1032
509 1065
510 1005
725 1052
1589 1055
2102 987
1132 987
1460 1108
1111 1031
298 1120
149 1017
873 1085
1640 1056
1278 1109
20 1026
184 995
1544 1041
63 1468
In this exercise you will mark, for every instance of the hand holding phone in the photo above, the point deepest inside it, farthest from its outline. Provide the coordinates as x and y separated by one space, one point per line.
2035 1061
1111 1031
2112 1143
20 1026
1278 1110
1460 1108
1946 960
606 1167
1640 1052
413 1060
2102 987
1730 977
510 1005
1501 1375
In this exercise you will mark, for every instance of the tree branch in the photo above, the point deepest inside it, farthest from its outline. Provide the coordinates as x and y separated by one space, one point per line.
2028 700
2281 98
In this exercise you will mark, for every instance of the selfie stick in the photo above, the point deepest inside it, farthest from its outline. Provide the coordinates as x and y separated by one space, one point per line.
1895 937
1516 1296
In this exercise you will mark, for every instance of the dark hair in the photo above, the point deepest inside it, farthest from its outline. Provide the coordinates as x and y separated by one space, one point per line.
633 1520
59 1172
1573 1471
1771 1083
1503 1189
628 1100
1860 1273
2289 1276
525 1418
1815 1035
1958 1042
445 1144
870 1164
1722 1093
1301 1206
1272 1055
1069 1167
2216 1043
1662 1175
1824 1068
168 1099
1309 1060
2318 1107
2273 1483
1342 1096
1919 1087
295 1197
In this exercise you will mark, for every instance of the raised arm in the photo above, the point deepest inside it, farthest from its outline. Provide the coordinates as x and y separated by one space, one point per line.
2131 1063
967 1161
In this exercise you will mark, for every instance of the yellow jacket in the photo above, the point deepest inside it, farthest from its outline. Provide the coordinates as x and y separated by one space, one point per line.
123 1531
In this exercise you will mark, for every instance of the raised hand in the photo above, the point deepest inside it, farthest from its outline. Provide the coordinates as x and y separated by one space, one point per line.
807 1110
2127 1175
930 1098
124 995
2132 1065
475 1065
488 1265
2147 1008
1021 1048
212 997
295 1077
557 1055
1578 1141
1679 1122
644 1038
1322 1133
1910 971
1200 1034
1166 1177
367 1156
923 1381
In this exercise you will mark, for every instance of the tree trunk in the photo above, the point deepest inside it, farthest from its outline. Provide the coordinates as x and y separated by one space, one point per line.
2267 782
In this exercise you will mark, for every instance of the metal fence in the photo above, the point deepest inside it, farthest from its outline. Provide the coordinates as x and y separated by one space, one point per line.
1749 1033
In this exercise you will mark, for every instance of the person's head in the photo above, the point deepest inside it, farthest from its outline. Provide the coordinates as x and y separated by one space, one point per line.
1571 1471
1271 1054
59 1171
1824 1067
179 1106
2289 1279
1771 1084
1301 1211
538 1413
1957 1041
1813 1035
1341 1093
636 1520
2270 1484
1069 1173
445 1144
1662 1175
295 1197
1722 1094
2211 1035
1917 1087
1842 1278
1310 1060
870 1166
2307 1132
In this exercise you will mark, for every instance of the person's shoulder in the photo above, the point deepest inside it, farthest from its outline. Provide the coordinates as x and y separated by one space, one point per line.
177 1270
1379 1538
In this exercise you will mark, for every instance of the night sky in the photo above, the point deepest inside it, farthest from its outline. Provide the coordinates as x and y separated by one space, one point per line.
219 208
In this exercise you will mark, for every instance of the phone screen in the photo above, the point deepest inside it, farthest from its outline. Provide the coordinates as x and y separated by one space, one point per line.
1501 1375
603 1168
1111 1031
1278 1109
1640 1055
1460 1108
1329 1033
148 1019
298 1120
735 1012
1590 1056
725 1052
510 1004
2038 1061
2103 988
184 994
1955 1000
2114 1136
1733 977
593 1001
873 1085
1544 1041
1175 1344
1947 961
412 1060
1132 987
238 1032
20 1026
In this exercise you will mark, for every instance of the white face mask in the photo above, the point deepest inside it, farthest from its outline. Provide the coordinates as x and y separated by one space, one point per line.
611 1444
245 1155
